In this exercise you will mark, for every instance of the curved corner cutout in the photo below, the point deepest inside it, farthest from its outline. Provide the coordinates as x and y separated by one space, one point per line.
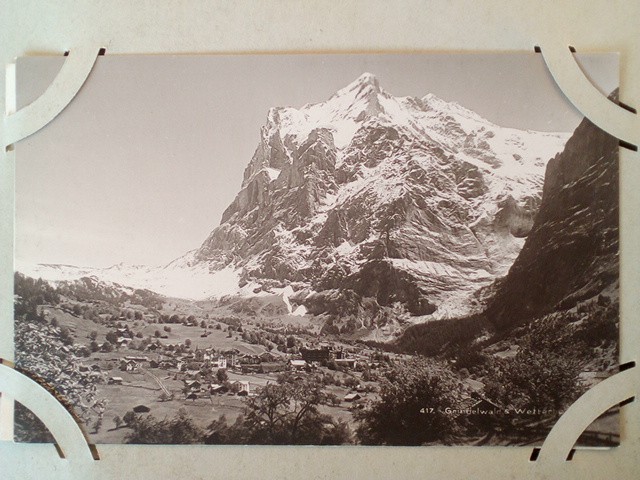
611 118
51 412
564 434
74 72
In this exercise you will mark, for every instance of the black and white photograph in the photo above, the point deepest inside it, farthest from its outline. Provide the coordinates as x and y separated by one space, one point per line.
318 249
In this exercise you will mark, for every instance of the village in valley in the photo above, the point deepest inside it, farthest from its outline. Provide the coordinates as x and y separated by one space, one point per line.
137 367
109 357
211 375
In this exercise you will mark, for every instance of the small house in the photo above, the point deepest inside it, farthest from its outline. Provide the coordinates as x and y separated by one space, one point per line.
249 359
193 384
217 388
222 362
243 386
352 397
297 365
137 359
115 381
128 365
346 362
267 357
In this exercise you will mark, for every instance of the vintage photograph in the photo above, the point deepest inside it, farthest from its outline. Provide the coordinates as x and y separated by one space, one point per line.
317 249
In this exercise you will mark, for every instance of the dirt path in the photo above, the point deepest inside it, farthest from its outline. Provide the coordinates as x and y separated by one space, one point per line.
158 381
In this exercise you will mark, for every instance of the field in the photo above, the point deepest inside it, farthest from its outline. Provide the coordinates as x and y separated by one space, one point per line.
208 332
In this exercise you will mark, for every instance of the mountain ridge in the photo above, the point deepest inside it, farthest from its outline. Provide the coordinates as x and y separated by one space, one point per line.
342 182
374 194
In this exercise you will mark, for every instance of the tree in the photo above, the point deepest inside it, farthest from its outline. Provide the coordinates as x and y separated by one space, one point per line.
112 337
94 347
129 418
83 352
93 335
351 382
368 375
221 375
157 334
179 430
187 343
220 433
97 425
287 413
65 336
107 347
536 379
117 421
411 408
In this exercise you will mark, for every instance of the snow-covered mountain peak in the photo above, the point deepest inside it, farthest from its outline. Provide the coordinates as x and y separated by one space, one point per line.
367 185
363 87
403 199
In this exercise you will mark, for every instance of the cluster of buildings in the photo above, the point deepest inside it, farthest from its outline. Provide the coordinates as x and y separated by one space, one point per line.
194 389
197 368
325 354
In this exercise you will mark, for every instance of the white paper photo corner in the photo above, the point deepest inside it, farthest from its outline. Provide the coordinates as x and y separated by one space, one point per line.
71 443
19 124
622 122
28 120
558 446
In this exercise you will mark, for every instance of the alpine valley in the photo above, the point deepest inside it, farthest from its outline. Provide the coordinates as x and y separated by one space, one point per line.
385 257
410 202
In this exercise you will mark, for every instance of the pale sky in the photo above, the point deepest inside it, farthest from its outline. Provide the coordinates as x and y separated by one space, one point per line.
142 163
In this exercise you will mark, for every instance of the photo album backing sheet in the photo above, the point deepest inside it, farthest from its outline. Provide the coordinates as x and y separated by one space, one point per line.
350 250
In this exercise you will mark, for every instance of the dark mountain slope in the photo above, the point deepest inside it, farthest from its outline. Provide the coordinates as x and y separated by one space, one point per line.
571 252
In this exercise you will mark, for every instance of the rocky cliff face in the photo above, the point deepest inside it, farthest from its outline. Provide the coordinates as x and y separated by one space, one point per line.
411 200
571 253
